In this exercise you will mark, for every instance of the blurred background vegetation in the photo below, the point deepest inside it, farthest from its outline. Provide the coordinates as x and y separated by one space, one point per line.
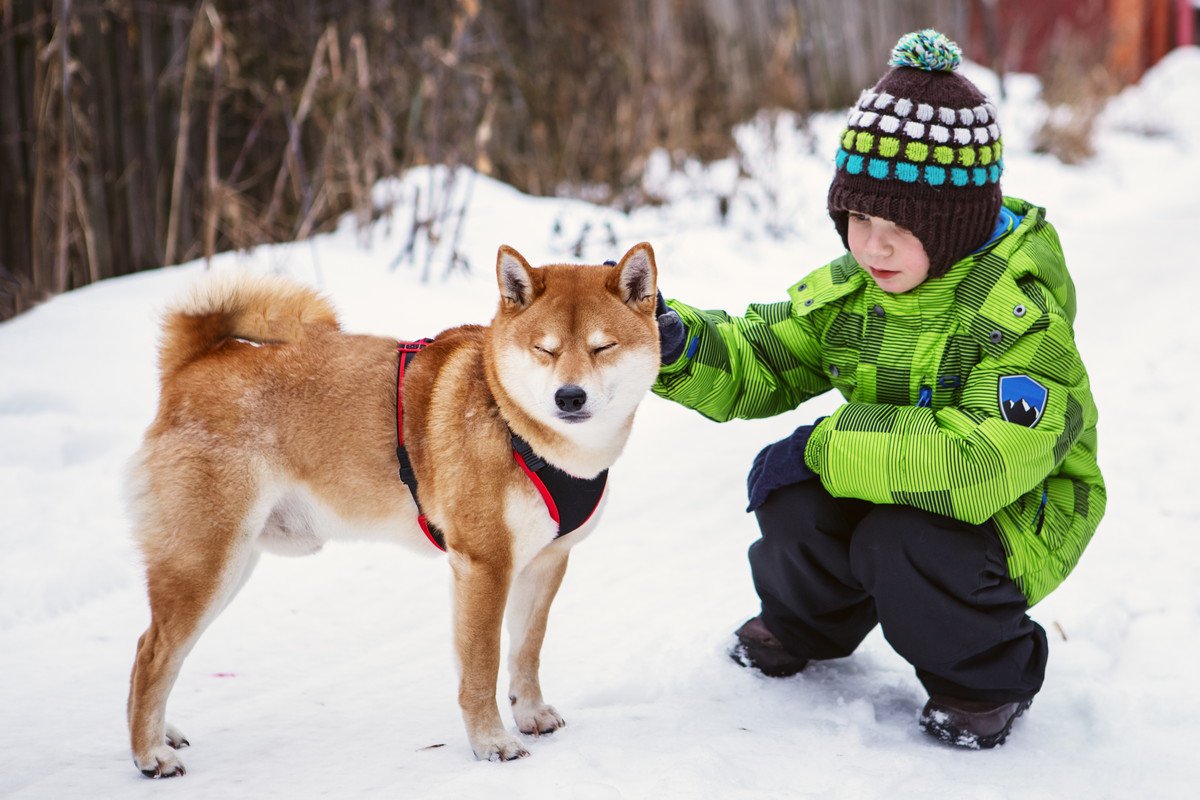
137 133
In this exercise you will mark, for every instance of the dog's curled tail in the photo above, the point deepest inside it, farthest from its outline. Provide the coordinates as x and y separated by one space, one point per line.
265 309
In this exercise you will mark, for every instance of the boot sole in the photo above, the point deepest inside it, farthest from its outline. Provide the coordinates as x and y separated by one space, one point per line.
958 737
740 655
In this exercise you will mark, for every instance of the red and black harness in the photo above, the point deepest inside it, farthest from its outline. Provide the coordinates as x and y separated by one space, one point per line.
571 501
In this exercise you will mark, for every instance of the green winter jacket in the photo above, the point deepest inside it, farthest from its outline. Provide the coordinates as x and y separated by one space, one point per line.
965 396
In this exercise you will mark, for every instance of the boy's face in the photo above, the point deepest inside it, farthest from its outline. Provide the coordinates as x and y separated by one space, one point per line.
891 255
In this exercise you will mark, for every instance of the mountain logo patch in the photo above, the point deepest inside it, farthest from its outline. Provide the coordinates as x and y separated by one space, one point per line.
1022 399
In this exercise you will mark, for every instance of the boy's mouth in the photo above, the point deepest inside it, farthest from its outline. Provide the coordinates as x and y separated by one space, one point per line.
882 274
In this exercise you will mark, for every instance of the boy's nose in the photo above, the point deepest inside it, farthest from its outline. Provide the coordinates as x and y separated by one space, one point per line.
878 246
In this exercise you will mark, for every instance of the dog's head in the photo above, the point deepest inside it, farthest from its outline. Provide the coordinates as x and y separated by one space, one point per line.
577 346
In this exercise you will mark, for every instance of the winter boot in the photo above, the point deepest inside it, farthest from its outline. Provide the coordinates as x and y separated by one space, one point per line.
757 647
974 724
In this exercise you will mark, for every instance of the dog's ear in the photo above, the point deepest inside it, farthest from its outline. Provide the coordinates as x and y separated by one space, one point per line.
519 283
637 278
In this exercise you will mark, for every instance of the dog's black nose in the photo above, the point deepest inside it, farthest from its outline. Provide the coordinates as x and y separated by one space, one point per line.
570 397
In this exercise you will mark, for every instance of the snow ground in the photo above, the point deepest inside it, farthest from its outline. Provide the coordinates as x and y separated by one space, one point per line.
333 675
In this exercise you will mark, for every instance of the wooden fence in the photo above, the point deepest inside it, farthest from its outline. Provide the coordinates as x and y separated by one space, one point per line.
137 133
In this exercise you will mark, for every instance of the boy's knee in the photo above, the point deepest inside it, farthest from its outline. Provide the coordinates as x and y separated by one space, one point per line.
886 528
896 536
899 539
795 508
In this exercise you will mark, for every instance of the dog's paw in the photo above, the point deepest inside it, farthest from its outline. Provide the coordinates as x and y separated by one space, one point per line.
537 719
161 762
175 738
500 747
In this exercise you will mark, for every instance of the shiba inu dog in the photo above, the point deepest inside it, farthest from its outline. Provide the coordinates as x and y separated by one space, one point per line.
276 432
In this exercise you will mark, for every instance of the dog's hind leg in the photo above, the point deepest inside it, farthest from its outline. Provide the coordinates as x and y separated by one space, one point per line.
480 591
192 573
528 608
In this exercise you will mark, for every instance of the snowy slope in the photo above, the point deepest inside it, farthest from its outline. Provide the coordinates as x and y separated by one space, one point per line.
333 675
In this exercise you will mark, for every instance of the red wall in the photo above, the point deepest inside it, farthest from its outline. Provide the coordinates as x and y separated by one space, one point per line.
1128 35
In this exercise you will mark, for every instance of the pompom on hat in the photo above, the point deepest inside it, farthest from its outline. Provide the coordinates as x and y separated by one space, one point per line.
922 148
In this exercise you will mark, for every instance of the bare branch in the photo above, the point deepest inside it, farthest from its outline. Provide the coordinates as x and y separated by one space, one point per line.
181 141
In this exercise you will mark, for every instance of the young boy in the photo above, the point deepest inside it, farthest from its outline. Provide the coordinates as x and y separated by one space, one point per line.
958 484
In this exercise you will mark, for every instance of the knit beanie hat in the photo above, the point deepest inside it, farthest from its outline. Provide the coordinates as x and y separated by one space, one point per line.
922 149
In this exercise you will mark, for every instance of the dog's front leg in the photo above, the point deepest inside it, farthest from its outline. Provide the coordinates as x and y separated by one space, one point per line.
480 592
528 608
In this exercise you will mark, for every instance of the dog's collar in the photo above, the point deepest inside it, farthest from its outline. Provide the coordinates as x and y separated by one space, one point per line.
571 501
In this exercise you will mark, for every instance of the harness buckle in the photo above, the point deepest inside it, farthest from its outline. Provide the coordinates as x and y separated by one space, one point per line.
406 470
532 460
414 347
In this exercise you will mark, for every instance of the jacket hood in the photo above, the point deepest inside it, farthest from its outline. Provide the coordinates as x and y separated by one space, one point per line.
1034 251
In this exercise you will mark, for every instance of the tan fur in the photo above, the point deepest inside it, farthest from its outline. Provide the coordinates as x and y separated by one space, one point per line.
276 431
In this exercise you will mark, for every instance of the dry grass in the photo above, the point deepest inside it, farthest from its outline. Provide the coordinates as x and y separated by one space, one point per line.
1075 87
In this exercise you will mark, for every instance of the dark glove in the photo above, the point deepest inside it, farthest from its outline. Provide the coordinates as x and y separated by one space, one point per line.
778 465
672 334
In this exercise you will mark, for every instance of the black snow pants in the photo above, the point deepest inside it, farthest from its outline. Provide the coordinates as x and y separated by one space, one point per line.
828 569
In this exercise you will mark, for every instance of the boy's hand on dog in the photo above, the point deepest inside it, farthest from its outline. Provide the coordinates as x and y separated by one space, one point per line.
672 334
779 464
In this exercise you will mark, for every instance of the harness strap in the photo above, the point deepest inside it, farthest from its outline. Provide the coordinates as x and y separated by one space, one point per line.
407 350
570 501
531 463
